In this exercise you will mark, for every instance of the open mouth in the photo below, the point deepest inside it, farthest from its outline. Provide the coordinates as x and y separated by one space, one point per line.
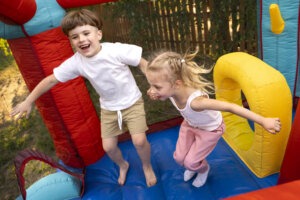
84 47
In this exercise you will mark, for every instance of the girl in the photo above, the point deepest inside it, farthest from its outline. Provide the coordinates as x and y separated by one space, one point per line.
178 78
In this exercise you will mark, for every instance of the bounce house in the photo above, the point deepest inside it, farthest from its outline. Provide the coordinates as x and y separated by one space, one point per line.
247 163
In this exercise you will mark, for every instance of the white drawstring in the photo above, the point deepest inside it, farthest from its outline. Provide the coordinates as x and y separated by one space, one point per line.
119 119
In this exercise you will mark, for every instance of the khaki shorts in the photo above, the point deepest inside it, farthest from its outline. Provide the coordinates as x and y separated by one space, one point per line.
133 119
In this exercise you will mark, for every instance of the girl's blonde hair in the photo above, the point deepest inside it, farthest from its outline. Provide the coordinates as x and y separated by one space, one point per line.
80 18
182 67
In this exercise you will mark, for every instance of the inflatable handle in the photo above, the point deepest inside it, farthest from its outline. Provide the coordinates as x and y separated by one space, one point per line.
267 94
277 23
27 155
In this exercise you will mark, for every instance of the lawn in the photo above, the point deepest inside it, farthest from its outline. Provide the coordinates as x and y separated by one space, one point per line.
16 136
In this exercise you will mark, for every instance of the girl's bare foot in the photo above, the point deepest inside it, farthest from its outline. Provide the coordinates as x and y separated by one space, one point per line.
123 172
150 176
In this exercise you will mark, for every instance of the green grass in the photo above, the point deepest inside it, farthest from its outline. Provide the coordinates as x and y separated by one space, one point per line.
16 136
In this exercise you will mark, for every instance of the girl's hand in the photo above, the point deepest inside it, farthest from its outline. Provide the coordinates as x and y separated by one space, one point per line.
21 109
151 94
272 125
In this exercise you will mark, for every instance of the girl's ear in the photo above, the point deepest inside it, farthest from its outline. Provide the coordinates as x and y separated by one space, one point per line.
178 83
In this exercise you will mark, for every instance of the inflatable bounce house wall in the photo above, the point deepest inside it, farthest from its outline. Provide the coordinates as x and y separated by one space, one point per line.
32 29
278 23
280 48
246 160
265 91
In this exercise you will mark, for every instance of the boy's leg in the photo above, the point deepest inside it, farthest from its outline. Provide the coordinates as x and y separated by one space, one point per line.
136 122
143 148
110 146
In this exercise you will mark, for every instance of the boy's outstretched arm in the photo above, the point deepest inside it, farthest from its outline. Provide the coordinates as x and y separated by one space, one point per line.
143 65
26 106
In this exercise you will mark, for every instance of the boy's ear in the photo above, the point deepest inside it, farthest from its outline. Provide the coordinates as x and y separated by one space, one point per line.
100 34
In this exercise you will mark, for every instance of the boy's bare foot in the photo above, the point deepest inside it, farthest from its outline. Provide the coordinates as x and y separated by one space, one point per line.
123 172
150 176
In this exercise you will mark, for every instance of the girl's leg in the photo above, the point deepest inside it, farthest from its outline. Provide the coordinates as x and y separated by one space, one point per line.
201 176
188 175
183 145
204 144
110 146
184 142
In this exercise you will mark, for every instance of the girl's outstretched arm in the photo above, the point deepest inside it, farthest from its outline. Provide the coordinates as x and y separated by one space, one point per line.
272 125
26 106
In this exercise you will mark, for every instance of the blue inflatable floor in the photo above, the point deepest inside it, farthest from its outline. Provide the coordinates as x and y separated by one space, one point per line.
228 175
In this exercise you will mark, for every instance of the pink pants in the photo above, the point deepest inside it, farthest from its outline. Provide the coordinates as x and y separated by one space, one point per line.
194 145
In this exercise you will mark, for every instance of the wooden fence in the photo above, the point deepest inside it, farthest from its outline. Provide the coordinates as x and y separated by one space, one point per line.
216 27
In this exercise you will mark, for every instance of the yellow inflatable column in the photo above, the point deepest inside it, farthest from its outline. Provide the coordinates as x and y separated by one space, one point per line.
267 94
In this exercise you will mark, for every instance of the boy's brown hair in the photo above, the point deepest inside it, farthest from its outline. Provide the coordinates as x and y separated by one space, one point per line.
80 18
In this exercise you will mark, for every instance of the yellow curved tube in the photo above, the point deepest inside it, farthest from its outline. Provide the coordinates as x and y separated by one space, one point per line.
267 94
277 23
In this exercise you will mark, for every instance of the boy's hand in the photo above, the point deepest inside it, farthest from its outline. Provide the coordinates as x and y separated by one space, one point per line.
272 125
151 94
21 109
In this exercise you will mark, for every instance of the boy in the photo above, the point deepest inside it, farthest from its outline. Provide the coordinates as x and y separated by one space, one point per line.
106 67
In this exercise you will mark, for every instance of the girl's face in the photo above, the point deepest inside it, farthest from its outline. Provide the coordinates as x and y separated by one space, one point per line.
160 86
86 40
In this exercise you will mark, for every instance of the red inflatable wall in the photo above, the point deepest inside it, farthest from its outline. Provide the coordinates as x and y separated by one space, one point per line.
78 3
288 191
290 169
12 11
67 109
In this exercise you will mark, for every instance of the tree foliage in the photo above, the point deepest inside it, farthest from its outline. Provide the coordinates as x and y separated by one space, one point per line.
5 47
6 57
216 27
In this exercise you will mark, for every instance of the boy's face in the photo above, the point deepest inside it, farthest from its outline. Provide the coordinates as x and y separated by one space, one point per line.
86 40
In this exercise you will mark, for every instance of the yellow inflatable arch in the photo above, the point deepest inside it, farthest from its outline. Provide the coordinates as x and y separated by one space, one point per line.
267 94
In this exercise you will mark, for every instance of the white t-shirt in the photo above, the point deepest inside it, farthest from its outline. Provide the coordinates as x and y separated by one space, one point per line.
208 120
108 72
